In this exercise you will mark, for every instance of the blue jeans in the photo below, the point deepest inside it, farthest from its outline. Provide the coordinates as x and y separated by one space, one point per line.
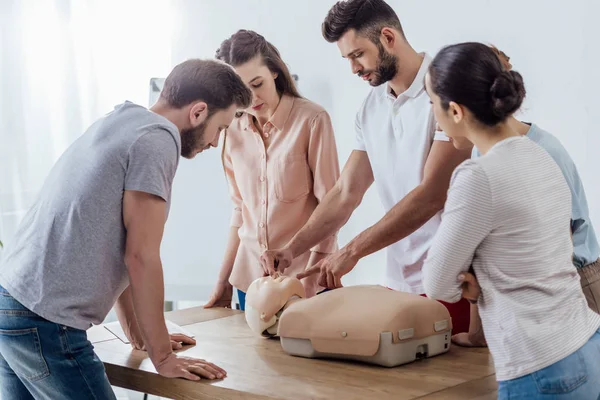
43 360
575 377
242 299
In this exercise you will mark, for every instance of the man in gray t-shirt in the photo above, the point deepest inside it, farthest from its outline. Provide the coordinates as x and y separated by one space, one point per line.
91 240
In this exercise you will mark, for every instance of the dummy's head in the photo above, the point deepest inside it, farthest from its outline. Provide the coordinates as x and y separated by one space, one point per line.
202 97
265 299
471 91
369 34
261 67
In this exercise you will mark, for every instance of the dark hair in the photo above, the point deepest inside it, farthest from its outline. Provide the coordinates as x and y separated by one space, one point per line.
367 17
211 81
472 75
244 45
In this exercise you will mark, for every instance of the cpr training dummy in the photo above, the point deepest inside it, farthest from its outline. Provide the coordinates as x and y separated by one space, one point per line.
371 324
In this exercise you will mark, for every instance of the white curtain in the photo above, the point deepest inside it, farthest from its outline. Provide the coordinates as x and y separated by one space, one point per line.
64 63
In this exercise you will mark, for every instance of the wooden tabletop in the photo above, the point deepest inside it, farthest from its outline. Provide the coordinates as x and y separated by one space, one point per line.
258 368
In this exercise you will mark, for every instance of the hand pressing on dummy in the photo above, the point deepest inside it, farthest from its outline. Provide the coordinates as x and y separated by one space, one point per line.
310 283
178 340
221 296
331 269
276 261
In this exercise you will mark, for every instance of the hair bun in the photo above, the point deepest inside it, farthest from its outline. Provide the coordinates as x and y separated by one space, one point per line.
507 93
223 52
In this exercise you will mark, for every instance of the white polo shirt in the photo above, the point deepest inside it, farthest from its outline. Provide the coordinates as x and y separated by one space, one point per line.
397 134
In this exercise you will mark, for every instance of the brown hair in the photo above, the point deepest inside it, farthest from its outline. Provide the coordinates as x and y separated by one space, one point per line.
367 17
244 45
211 81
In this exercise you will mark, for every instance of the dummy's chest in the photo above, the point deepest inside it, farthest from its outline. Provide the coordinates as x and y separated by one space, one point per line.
371 324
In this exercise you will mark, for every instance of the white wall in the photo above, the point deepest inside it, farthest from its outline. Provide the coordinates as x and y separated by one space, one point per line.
64 63
555 53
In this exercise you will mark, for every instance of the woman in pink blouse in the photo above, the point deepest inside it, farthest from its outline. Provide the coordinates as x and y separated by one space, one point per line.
280 158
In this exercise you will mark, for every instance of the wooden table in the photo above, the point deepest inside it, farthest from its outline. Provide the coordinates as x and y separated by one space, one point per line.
259 369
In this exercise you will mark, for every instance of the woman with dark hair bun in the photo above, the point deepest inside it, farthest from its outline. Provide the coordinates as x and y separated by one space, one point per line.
507 219
586 250
280 158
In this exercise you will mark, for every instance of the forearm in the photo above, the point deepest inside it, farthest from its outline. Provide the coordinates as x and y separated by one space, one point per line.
475 325
315 257
147 289
233 243
414 210
329 216
126 315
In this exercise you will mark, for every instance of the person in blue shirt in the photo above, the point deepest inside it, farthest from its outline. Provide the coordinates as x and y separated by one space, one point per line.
586 251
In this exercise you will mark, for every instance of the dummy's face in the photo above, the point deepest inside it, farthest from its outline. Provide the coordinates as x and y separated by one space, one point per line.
450 120
206 133
261 82
268 285
372 62
265 300
270 294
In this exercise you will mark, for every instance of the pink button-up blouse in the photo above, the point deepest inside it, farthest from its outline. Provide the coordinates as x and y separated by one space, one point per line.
276 181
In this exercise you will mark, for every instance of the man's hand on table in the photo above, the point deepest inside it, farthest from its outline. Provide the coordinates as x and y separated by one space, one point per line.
192 369
178 340
172 366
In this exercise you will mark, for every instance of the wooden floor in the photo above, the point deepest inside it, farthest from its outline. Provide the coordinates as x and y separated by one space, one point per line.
258 368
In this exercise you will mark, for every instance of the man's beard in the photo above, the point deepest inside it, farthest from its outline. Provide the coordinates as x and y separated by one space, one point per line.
192 140
386 68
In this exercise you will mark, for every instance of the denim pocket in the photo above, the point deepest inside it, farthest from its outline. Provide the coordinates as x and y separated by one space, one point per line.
4 292
22 351
563 376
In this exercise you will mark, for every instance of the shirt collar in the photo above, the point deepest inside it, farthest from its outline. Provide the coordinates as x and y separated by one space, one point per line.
278 119
282 112
417 85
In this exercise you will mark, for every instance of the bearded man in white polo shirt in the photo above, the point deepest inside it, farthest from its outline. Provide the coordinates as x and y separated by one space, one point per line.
397 147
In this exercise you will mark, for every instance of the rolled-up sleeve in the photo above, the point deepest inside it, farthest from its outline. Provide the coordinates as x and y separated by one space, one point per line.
466 222
234 192
324 164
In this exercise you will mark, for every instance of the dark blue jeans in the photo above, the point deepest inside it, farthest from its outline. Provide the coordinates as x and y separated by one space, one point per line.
242 299
43 360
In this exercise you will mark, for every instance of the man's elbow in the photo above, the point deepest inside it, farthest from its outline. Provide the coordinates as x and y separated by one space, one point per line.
137 262
134 262
350 199
435 199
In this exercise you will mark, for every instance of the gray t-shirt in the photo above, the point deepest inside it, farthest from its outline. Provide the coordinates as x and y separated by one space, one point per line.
66 261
